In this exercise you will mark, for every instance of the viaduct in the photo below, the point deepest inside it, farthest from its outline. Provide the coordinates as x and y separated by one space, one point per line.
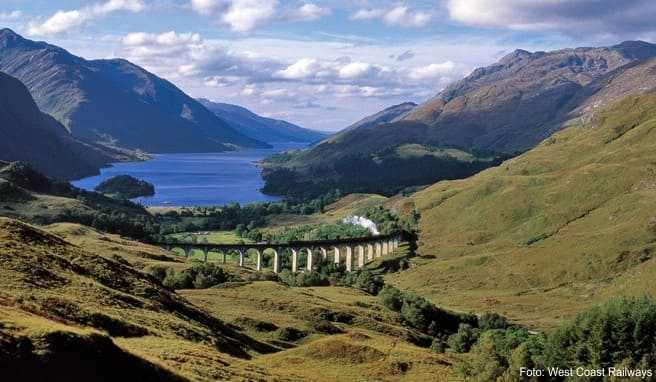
354 252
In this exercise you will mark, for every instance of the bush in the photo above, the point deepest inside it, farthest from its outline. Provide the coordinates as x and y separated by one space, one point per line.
391 298
290 334
199 276
464 339
157 271
324 326
488 321
438 345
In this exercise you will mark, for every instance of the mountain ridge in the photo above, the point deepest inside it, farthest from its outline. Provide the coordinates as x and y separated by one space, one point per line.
114 101
265 129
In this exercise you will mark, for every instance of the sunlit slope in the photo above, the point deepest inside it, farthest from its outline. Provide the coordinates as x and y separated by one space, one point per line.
120 322
543 235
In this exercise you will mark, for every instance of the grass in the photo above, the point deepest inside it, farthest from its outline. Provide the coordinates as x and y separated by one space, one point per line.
71 281
548 233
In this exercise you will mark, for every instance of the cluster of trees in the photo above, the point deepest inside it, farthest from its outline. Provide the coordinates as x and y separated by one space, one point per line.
309 232
329 273
233 216
618 334
198 276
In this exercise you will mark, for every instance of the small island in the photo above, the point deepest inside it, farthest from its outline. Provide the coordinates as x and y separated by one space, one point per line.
126 187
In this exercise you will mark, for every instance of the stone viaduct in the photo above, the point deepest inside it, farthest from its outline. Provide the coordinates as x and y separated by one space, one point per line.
354 252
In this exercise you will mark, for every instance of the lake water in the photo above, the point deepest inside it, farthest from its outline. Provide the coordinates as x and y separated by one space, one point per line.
197 179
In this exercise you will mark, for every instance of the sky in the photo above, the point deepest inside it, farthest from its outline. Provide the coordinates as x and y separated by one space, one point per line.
322 64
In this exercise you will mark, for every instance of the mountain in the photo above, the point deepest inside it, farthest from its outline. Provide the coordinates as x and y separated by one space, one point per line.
384 116
495 112
515 103
29 135
114 101
566 225
261 128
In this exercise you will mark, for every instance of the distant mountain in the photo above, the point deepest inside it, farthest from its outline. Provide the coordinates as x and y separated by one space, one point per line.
385 116
27 134
114 101
261 128
496 111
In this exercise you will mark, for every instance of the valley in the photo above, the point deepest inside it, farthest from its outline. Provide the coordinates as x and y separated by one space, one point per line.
504 222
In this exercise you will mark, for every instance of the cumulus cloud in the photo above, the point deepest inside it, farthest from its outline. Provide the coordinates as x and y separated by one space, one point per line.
243 16
597 16
63 21
400 15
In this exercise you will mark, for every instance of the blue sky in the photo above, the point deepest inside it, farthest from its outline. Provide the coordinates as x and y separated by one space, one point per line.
322 64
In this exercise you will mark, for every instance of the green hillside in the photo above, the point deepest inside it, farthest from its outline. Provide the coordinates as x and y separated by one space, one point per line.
547 233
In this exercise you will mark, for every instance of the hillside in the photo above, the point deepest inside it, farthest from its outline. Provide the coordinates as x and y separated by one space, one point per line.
264 129
568 224
115 102
29 196
88 291
495 112
35 137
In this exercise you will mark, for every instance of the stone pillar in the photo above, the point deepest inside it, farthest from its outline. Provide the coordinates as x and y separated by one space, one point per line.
379 249
294 260
276 260
241 257
324 253
349 258
390 245
370 251
310 264
336 250
258 266
385 248
360 256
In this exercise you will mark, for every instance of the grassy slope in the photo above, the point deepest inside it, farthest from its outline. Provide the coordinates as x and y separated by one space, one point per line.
372 347
546 234
52 289
76 288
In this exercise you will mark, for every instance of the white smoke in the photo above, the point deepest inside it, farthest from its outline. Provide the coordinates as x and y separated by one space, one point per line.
362 222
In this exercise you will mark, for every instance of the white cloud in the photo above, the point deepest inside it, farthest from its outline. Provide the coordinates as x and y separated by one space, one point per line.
433 71
301 69
357 70
243 16
63 21
596 16
307 12
10 16
400 15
